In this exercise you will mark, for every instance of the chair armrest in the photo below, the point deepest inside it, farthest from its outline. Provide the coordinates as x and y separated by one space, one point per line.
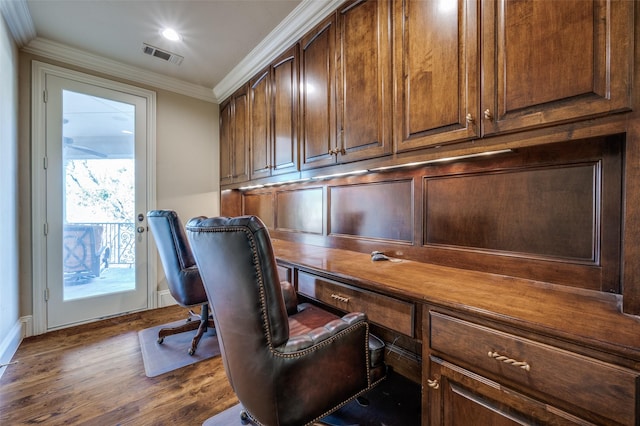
315 336
290 297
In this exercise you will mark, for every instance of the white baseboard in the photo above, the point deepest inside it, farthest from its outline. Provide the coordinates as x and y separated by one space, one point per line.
27 326
10 343
165 299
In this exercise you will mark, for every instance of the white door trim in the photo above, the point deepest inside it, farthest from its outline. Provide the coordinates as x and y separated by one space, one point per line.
39 71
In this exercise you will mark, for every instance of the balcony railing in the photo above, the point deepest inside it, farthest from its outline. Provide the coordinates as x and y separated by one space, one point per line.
119 238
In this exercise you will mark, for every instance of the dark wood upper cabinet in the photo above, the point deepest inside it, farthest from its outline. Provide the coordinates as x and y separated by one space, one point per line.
260 134
234 138
226 141
317 97
554 61
436 69
346 86
273 104
285 112
364 80
382 78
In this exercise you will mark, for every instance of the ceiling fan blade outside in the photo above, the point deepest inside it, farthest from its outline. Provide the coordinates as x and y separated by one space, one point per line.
68 142
88 151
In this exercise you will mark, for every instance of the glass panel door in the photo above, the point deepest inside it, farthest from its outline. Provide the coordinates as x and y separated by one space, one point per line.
96 246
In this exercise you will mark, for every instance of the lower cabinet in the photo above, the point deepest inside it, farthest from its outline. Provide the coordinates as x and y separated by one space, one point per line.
456 396
477 370
392 319
285 273
480 375
389 312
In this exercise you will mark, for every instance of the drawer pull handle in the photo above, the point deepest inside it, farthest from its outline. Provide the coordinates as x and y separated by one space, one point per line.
340 298
507 360
433 384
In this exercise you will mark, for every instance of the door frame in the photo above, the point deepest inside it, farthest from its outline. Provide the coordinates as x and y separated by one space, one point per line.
39 71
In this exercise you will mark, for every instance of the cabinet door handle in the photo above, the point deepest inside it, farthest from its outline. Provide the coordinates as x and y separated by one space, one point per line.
340 298
510 361
332 152
487 114
470 118
433 384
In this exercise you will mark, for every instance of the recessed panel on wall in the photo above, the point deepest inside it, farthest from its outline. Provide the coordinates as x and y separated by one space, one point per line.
261 205
382 210
547 212
300 210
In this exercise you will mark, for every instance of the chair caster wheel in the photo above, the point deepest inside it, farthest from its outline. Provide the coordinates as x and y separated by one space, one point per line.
362 401
244 417
191 351
160 340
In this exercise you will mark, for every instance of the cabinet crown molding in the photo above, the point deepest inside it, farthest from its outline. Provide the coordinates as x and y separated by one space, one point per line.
302 19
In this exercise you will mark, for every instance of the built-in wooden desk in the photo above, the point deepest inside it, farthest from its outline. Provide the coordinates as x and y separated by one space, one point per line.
493 346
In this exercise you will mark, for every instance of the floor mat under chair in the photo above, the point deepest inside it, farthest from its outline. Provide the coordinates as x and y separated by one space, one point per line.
172 353
394 402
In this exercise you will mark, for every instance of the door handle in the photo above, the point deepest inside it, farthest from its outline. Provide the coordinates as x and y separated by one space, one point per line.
140 229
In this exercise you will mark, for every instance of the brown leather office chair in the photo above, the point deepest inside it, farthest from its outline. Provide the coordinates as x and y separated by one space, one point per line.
286 368
183 277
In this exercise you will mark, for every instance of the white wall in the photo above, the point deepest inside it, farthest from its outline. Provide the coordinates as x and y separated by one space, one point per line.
187 156
187 166
10 327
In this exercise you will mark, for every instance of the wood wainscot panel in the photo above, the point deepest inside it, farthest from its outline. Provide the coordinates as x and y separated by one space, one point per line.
300 210
261 205
553 216
548 212
380 210
230 203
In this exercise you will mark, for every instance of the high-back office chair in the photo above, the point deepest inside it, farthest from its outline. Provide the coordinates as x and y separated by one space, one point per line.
286 369
183 277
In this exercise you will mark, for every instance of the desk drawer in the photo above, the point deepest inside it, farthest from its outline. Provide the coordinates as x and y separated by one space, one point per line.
383 310
587 383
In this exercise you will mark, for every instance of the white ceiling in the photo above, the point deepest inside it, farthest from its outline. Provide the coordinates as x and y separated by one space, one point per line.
217 34
224 41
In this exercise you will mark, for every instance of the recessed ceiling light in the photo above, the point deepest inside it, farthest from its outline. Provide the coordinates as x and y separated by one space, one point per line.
171 34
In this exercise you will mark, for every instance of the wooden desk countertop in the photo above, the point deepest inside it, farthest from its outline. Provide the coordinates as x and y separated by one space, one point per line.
582 316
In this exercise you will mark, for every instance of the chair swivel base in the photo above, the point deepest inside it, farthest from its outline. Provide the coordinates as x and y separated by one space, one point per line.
189 325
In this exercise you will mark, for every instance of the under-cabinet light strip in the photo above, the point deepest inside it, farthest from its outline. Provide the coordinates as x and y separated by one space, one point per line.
379 169
441 160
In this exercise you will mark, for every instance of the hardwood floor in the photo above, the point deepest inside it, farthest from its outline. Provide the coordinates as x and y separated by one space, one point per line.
93 374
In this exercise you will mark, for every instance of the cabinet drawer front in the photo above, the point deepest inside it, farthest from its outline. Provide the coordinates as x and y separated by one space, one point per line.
593 385
383 310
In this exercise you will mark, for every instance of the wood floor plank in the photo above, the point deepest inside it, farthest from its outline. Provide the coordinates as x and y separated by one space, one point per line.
94 374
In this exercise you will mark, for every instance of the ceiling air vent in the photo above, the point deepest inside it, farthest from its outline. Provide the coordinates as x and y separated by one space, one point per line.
161 54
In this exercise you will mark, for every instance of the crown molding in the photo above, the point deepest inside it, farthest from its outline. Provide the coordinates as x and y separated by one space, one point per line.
18 18
302 19
60 52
